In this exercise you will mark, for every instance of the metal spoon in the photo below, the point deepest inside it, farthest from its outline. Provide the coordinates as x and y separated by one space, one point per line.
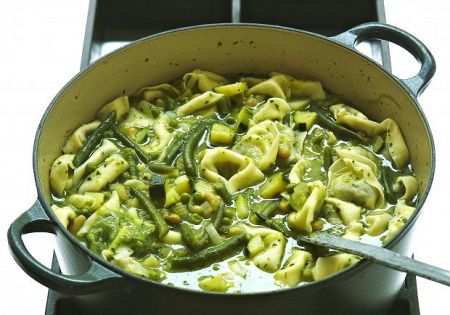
381 256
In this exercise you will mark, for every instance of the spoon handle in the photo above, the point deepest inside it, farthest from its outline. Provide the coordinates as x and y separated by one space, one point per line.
381 256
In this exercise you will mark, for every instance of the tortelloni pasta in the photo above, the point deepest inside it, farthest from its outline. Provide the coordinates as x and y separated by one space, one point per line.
206 181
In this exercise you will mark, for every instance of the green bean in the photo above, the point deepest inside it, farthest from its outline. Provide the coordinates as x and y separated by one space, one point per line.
163 169
93 140
174 148
327 157
334 127
386 182
188 235
160 223
129 156
129 143
190 165
278 224
210 255
217 223
266 209
195 239
223 192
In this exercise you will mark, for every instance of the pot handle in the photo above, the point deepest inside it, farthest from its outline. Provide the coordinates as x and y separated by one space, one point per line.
415 84
95 279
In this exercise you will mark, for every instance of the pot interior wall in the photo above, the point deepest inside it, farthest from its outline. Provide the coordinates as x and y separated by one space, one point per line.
231 50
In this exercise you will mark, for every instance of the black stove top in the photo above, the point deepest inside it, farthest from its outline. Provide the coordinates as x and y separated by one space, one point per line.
113 23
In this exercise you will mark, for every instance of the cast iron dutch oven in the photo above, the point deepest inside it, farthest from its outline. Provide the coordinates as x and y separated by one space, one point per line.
99 287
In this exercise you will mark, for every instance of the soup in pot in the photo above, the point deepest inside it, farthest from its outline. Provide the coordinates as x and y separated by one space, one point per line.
205 182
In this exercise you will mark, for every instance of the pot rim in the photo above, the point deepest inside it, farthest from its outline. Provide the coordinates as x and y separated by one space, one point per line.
347 272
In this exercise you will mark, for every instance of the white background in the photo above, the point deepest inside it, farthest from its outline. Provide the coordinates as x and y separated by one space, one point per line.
40 49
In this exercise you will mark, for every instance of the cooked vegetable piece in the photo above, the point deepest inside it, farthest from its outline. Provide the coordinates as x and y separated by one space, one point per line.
195 239
213 234
217 223
221 134
130 143
129 156
304 119
223 192
174 148
161 225
210 255
161 168
190 165
214 283
242 209
278 225
386 182
266 209
275 184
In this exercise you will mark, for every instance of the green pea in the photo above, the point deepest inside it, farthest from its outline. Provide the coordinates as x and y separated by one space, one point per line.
173 123
155 111
196 218
198 198
254 219
185 198
229 213
227 221
90 168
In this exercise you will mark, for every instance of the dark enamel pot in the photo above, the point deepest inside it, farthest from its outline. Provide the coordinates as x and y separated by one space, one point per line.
99 287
